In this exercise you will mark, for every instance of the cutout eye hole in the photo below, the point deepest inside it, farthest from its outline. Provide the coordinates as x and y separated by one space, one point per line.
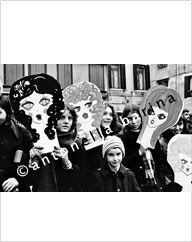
161 116
150 112
27 105
77 109
44 101
88 105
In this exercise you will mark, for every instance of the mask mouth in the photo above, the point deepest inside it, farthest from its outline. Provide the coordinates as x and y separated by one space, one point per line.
38 116
85 115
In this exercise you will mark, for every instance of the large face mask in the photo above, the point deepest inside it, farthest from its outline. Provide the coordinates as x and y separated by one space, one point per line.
37 101
36 106
179 156
157 118
86 99
160 109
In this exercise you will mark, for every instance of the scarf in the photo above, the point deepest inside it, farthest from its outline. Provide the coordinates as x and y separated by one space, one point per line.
66 138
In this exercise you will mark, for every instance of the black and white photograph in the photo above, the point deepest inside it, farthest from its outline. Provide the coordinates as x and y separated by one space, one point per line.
95 152
80 128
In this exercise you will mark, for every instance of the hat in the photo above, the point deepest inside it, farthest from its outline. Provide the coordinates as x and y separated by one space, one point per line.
112 142
5 105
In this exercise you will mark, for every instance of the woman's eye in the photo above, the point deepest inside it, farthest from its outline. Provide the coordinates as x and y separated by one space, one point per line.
88 105
27 105
44 101
161 116
77 109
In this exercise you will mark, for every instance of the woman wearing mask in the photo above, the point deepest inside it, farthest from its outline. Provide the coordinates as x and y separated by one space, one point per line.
135 158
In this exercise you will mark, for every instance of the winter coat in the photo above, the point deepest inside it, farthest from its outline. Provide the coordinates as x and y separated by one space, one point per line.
134 162
72 180
52 177
108 181
13 137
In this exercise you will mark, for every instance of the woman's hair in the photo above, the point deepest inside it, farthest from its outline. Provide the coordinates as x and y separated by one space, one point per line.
168 134
165 99
115 124
6 105
41 83
74 116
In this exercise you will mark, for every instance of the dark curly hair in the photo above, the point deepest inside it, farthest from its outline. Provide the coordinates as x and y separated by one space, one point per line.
41 83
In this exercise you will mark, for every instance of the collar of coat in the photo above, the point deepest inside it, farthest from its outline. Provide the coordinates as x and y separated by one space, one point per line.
15 128
105 170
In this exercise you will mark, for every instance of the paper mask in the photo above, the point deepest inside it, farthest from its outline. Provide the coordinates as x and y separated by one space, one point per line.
37 101
160 109
86 99
179 156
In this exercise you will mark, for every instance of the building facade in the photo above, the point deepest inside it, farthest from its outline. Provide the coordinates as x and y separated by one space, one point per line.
119 83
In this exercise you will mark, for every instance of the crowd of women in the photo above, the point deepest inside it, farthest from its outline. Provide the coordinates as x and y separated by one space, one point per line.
120 164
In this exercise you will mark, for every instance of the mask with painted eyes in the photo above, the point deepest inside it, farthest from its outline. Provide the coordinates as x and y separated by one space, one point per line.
179 156
84 112
186 163
36 106
86 99
160 109
37 103
156 117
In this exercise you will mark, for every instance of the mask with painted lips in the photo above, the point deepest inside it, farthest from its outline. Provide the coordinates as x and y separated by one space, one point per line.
36 106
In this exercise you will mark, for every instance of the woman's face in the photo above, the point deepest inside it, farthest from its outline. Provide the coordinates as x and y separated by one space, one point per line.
178 128
157 117
65 122
36 106
107 117
3 116
134 121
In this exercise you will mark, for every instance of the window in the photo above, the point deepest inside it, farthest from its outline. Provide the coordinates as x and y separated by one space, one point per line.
141 77
163 82
64 75
37 69
96 75
116 76
188 87
12 72
162 66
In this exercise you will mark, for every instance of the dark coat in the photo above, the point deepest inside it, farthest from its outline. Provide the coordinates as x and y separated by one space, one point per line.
13 137
134 162
72 180
108 181
52 177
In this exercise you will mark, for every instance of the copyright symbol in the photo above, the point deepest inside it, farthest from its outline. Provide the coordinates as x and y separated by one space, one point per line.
22 170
